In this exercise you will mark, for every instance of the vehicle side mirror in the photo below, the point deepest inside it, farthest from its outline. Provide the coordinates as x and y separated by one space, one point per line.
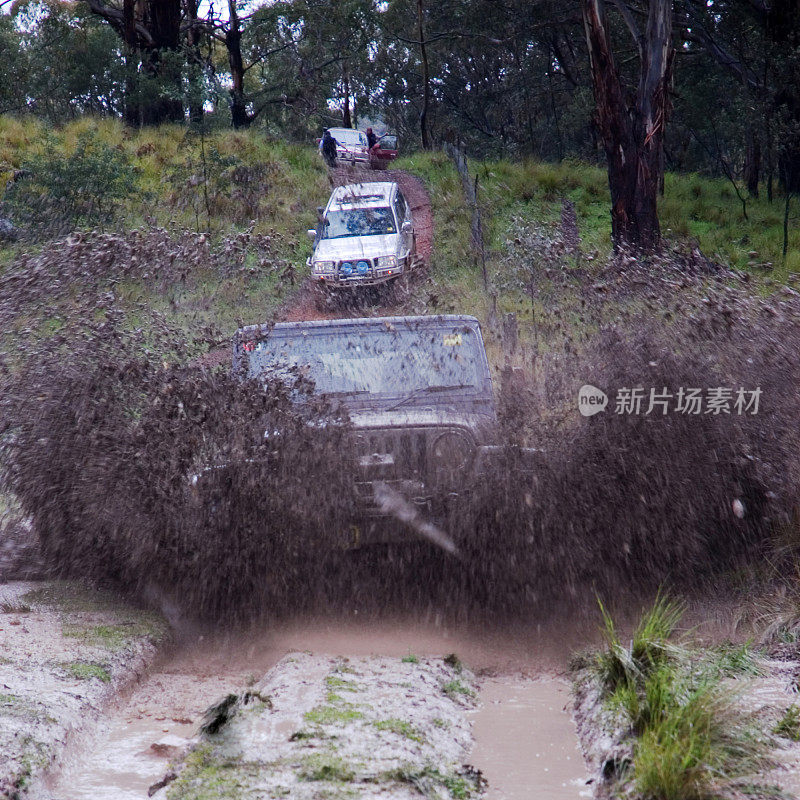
312 234
407 227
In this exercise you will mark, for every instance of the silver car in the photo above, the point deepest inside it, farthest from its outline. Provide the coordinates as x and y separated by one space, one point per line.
365 236
351 146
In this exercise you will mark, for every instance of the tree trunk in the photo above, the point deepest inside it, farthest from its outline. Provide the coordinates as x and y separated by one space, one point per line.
632 128
195 64
426 80
233 42
752 163
161 62
132 112
150 30
347 122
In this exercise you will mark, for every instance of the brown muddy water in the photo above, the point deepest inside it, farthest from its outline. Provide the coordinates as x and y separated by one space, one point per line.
524 736
525 742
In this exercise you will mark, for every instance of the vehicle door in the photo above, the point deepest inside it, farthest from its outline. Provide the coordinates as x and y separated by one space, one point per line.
405 226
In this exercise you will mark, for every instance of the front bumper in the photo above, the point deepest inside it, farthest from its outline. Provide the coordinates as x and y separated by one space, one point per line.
375 277
353 158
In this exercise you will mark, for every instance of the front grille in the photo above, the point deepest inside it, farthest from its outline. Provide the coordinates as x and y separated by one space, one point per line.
398 457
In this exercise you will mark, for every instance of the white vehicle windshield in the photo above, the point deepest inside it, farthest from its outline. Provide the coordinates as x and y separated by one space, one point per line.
372 361
349 137
359 222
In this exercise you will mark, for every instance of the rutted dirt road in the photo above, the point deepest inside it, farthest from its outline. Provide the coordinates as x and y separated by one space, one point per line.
516 719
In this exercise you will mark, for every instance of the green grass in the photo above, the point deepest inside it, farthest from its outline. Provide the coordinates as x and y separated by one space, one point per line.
410 659
334 683
429 782
455 688
400 727
84 670
111 637
206 776
789 724
335 713
733 661
623 665
693 208
326 767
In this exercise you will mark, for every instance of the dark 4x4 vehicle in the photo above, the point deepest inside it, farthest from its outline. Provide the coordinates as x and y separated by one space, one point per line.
417 390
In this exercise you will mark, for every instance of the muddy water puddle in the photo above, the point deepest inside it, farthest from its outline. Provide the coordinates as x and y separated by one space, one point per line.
525 741
524 738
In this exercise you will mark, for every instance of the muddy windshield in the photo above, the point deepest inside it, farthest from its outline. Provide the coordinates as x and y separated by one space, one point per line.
359 222
384 362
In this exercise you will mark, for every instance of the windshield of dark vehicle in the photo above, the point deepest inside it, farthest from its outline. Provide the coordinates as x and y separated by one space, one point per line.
391 362
359 222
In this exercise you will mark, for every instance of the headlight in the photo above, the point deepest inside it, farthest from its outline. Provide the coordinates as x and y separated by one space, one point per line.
323 266
362 268
386 261
450 457
346 268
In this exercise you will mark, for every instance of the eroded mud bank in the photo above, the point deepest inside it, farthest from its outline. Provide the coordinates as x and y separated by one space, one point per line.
65 654
318 726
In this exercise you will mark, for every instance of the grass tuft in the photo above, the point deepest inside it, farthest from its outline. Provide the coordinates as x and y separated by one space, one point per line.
400 727
326 767
622 666
789 724
84 671
691 738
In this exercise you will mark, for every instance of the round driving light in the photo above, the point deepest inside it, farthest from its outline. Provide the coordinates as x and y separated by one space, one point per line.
450 457
346 268
362 268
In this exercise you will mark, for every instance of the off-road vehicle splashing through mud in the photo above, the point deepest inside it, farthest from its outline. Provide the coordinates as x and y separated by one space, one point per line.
418 394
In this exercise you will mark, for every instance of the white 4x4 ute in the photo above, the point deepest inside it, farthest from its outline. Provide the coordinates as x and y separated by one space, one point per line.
365 236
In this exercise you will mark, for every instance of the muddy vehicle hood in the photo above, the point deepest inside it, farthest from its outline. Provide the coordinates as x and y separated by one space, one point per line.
356 247
482 425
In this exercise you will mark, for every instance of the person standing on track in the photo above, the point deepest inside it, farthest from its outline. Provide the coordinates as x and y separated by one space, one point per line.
327 147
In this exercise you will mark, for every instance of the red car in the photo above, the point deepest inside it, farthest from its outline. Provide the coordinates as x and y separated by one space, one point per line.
385 152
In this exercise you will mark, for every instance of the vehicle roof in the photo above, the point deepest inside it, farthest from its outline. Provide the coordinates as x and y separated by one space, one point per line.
375 193
409 322
333 131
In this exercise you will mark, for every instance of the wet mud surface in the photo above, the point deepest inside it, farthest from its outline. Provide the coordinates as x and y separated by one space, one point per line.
135 743
378 727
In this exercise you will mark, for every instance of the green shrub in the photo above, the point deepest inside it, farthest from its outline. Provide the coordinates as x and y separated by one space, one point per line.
61 189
